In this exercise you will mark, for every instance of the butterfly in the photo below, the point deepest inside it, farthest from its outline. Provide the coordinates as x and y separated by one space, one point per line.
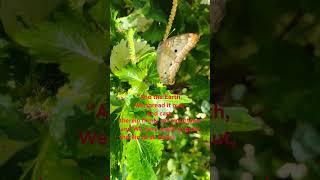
171 53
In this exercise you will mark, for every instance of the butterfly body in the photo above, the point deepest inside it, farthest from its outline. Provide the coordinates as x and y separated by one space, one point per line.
171 53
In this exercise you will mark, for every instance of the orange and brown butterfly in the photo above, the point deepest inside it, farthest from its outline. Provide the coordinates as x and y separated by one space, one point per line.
171 53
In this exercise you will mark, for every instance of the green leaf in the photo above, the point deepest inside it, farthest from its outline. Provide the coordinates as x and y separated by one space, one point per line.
12 122
139 3
16 14
49 165
156 12
135 20
239 121
204 126
69 96
69 38
154 33
72 44
100 12
132 75
120 54
200 87
9 147
51 168
142 156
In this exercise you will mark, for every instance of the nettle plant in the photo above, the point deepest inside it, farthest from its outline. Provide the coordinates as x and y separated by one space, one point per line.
58 67
134 73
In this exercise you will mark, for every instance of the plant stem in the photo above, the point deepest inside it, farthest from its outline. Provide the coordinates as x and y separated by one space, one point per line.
171 18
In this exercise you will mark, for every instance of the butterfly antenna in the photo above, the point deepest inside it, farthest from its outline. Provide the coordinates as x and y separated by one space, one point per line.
172 31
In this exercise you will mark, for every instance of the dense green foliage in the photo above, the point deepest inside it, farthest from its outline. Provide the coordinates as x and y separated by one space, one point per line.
187 155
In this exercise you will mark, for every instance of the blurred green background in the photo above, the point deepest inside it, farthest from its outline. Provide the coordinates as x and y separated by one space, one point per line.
267 60
53 64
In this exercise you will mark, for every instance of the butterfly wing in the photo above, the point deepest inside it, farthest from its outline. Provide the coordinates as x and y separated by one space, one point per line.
171 53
